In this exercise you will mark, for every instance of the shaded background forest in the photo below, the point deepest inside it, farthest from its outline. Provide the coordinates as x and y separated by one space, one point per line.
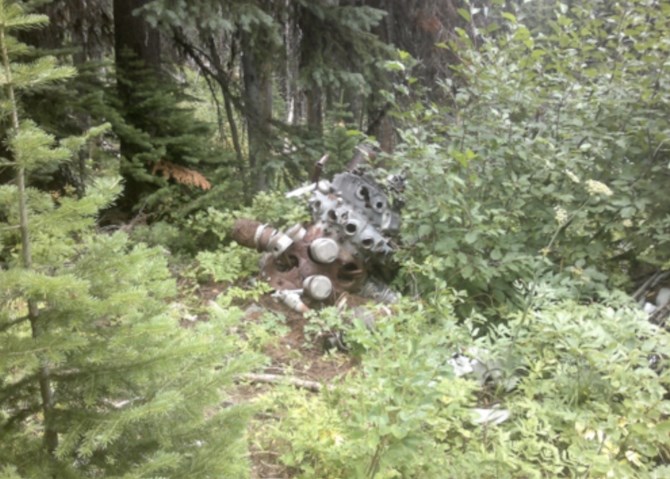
534 137
276 72
211 104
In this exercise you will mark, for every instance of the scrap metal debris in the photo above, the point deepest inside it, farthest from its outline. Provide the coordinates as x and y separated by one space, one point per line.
653 296
346 248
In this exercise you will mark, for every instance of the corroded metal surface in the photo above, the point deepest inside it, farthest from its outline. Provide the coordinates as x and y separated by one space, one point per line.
345 248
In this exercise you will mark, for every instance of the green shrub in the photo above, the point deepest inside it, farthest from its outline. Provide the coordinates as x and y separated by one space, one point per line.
583 400
551 155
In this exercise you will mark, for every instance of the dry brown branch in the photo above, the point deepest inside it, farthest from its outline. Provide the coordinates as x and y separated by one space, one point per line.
181 174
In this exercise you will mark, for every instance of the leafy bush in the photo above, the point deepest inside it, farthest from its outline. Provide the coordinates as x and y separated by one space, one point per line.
588 394
210 229
551 155
584 403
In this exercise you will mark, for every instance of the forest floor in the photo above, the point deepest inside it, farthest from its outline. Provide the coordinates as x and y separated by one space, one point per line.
294 353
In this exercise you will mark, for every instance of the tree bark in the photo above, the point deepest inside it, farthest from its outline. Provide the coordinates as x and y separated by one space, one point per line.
135 36
292 54
311 49
315 110
257 73
137 53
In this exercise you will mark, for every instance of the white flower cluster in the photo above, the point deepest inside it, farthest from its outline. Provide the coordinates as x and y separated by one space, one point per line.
595 187
560 215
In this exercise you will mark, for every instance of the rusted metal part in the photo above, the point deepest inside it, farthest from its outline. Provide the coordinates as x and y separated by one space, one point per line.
345 249
319 167
244 231
292 268
292 299
254 234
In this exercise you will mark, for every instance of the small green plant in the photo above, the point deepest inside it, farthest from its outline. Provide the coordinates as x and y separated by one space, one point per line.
237 294
584 401
227 264
329 321
266 331
209 229
378 422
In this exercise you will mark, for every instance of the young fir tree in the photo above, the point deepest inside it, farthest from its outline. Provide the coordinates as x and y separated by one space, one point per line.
96 377
166 151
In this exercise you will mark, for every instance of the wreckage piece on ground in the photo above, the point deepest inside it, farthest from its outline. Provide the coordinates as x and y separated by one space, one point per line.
347 248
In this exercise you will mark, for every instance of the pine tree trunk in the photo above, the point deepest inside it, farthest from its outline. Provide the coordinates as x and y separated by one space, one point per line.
257 73
132 34
311 48
315 110
134 40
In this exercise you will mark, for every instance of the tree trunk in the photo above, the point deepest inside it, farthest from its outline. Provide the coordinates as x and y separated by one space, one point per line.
137 54
292 52
311 49
315 110
257 73
133 35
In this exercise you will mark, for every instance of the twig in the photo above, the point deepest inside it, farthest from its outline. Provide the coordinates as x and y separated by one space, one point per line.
652 281
290 380
660 316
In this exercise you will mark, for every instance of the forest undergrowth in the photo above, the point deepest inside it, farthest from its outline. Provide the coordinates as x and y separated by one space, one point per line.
137 339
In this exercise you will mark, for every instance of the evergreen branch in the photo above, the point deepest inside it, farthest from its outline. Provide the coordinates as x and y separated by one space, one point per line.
217 104
228 102
50 435
13 322
9 392
182 175
20 416
75 373
219 74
